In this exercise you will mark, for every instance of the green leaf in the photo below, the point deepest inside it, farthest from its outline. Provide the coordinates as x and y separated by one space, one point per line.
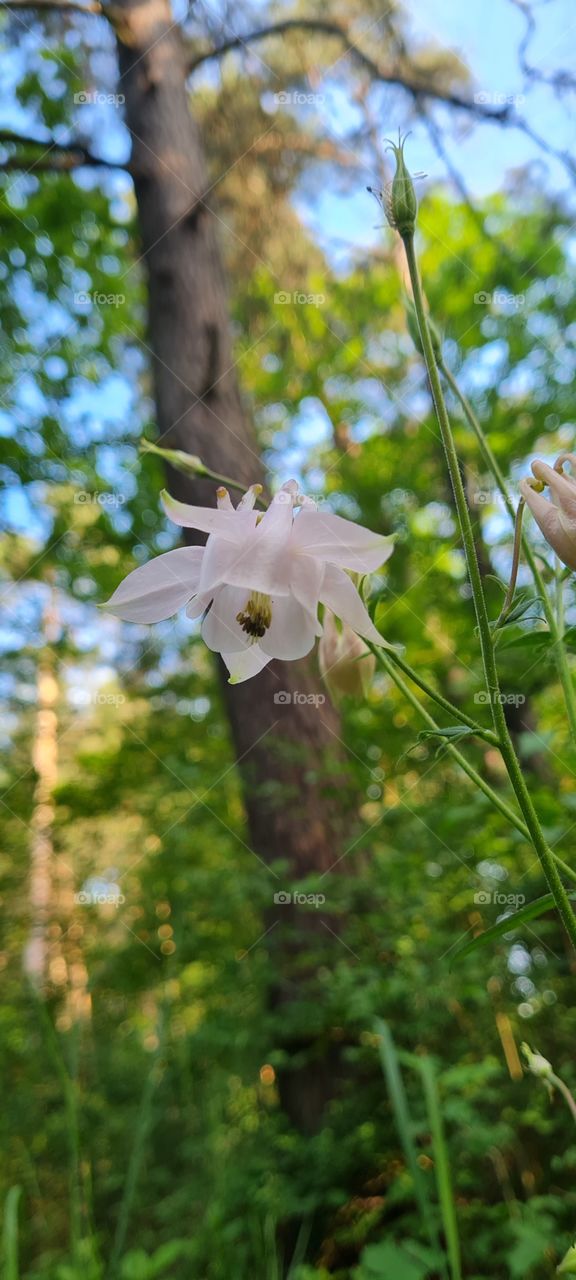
529 912
382 1261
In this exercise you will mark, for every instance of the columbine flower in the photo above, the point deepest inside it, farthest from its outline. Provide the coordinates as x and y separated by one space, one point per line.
259 579
346 664
556 518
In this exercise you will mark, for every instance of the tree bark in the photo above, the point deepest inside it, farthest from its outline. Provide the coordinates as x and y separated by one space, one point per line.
287 745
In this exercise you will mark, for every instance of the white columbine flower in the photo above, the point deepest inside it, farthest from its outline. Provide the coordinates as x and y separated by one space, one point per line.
259 579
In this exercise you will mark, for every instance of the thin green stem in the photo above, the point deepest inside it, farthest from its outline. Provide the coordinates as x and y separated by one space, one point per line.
443 702
564 1090
189 464
384 656
509 756
554 623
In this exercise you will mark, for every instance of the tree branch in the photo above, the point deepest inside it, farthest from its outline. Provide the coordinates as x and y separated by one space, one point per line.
416 88
57 157
91 6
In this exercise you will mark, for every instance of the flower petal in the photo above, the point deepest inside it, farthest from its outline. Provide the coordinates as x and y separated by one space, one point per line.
220 630
231 524
158 589
340 595
562 488
245 664
547 517
257 559
306 575
292 631
340 541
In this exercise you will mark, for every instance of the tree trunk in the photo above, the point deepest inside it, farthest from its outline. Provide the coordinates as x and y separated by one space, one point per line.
286 742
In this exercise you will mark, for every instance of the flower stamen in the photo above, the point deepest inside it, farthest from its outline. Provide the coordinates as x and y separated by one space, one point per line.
256 616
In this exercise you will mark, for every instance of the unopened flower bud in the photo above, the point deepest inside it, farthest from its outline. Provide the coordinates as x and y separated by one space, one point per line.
189 463
538 1065
346 664
401 204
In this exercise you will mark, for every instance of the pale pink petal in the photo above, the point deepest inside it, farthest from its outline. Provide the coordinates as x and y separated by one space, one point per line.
257 561
226 523
547 517
245 664
306 574
292 631
562 488
340 541
220 629
340 595
158 589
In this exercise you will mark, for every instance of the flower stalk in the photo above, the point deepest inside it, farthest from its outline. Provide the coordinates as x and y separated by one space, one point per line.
506 745
553 620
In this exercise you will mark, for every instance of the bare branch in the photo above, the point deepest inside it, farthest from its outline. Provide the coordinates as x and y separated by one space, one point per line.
55 156
415 87
75 6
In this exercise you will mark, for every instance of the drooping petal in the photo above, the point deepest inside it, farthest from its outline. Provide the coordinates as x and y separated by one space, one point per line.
231 524
220 629
306 575
292 631
547 517
160 588
340 541
340 595
246 663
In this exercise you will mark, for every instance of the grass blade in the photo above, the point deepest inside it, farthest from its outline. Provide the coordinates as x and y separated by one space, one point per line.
399 1101
10 1235
442 1168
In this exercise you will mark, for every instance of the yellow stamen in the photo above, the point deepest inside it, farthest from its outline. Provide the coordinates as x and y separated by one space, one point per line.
256 616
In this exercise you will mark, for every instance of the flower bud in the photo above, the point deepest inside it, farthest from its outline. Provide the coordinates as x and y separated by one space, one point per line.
401 204
346 664
538 1065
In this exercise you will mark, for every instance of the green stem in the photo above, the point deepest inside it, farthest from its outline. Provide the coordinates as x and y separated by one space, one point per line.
443 702
384 656
554 625
566 1094
509 756
189 464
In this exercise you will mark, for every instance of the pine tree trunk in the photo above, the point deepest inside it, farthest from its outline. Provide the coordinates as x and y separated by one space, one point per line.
284 746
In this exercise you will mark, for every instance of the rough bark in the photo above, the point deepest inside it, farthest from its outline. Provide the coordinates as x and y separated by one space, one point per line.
283 746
